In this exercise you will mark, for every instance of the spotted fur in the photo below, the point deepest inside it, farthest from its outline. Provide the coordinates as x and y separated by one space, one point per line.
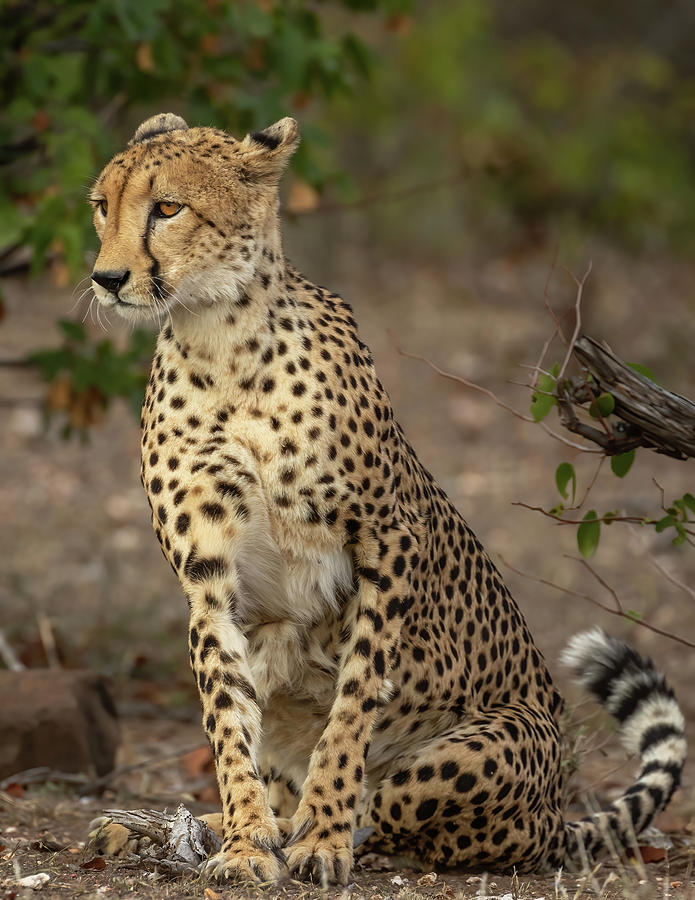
358 656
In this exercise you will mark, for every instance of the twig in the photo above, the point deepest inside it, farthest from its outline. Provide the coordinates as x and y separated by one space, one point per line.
385 196
459 379
90 785
636 520
48 640
609 609
546 298
660 567
8 656
578 318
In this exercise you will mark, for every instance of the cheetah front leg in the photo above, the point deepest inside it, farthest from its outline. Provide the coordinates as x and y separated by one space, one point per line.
232 720
321 844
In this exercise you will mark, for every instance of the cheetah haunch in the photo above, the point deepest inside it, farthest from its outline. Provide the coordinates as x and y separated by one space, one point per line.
358 656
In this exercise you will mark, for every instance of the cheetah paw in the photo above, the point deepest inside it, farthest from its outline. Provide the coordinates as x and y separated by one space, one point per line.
109 839
247 862
320 863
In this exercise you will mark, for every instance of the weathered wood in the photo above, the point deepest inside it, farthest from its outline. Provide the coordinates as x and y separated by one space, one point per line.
645 414
177 842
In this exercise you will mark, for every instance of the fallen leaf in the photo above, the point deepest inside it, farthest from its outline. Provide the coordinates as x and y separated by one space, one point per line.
143 57
14 789
302 198
96 862
208 795
198 762
209 894
652 854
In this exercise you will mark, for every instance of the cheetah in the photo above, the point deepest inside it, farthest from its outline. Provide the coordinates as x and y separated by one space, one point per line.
359 659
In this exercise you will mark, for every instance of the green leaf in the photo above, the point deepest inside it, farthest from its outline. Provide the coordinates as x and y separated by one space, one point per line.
589 534
603 405
679 539
643 370
689 501
622 463
543 400
634 615
74 331
668 521
609 516
563 475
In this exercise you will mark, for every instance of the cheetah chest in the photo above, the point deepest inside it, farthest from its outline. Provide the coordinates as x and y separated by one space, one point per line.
292 622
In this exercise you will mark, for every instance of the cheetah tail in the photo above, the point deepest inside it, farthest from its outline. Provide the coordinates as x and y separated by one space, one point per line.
651 724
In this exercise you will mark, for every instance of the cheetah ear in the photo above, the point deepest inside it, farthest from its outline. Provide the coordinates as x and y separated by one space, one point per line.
157 125
266 153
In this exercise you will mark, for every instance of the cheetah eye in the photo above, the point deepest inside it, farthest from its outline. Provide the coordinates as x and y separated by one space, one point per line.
166 210
103 207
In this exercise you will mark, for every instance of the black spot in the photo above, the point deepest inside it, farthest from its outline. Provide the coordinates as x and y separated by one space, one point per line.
426 809
200 569
465 782
213 511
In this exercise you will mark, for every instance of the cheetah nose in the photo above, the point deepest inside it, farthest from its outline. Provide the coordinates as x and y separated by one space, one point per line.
113 280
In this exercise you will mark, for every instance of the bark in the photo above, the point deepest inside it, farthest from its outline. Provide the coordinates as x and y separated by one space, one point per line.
645 414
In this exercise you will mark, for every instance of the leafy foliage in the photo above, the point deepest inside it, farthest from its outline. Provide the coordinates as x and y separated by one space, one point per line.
78 76
550 124
85 377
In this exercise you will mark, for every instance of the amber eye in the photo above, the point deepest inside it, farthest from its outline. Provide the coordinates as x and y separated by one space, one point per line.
103 206
167 210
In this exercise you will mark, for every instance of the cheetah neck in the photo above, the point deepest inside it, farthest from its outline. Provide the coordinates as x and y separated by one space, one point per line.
233 335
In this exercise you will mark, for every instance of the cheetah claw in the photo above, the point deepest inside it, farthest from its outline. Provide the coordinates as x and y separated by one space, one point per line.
319 863
246 864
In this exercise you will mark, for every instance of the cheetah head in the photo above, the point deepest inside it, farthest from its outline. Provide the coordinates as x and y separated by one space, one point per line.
183 215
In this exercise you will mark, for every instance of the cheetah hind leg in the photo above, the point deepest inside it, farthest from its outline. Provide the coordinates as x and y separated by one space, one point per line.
485 794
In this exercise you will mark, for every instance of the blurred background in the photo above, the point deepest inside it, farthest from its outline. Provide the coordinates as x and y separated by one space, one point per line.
460 161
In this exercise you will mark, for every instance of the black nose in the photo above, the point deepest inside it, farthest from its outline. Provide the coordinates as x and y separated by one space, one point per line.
112 280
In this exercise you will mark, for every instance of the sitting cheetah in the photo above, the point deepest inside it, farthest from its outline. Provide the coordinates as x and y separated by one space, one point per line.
358 656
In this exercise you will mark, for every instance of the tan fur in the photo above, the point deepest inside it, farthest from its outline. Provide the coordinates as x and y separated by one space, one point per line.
358 656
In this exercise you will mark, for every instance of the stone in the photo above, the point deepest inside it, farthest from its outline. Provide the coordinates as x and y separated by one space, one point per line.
66 720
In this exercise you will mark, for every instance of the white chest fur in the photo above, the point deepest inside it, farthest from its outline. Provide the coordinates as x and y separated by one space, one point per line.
287 606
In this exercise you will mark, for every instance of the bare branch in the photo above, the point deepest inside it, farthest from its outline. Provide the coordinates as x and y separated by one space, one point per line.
578 318
459 379
635 520
613 610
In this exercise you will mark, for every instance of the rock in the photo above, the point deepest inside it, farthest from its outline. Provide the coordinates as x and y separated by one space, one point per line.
57 718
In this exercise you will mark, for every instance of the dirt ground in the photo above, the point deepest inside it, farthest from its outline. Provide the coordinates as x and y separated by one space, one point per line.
78 551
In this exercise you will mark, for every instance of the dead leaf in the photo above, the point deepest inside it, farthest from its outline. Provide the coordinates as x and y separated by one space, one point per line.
400 23
210 44
209 894
96 862
210 796
652 854
143 57
302 198
59 394
198 762
14 789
